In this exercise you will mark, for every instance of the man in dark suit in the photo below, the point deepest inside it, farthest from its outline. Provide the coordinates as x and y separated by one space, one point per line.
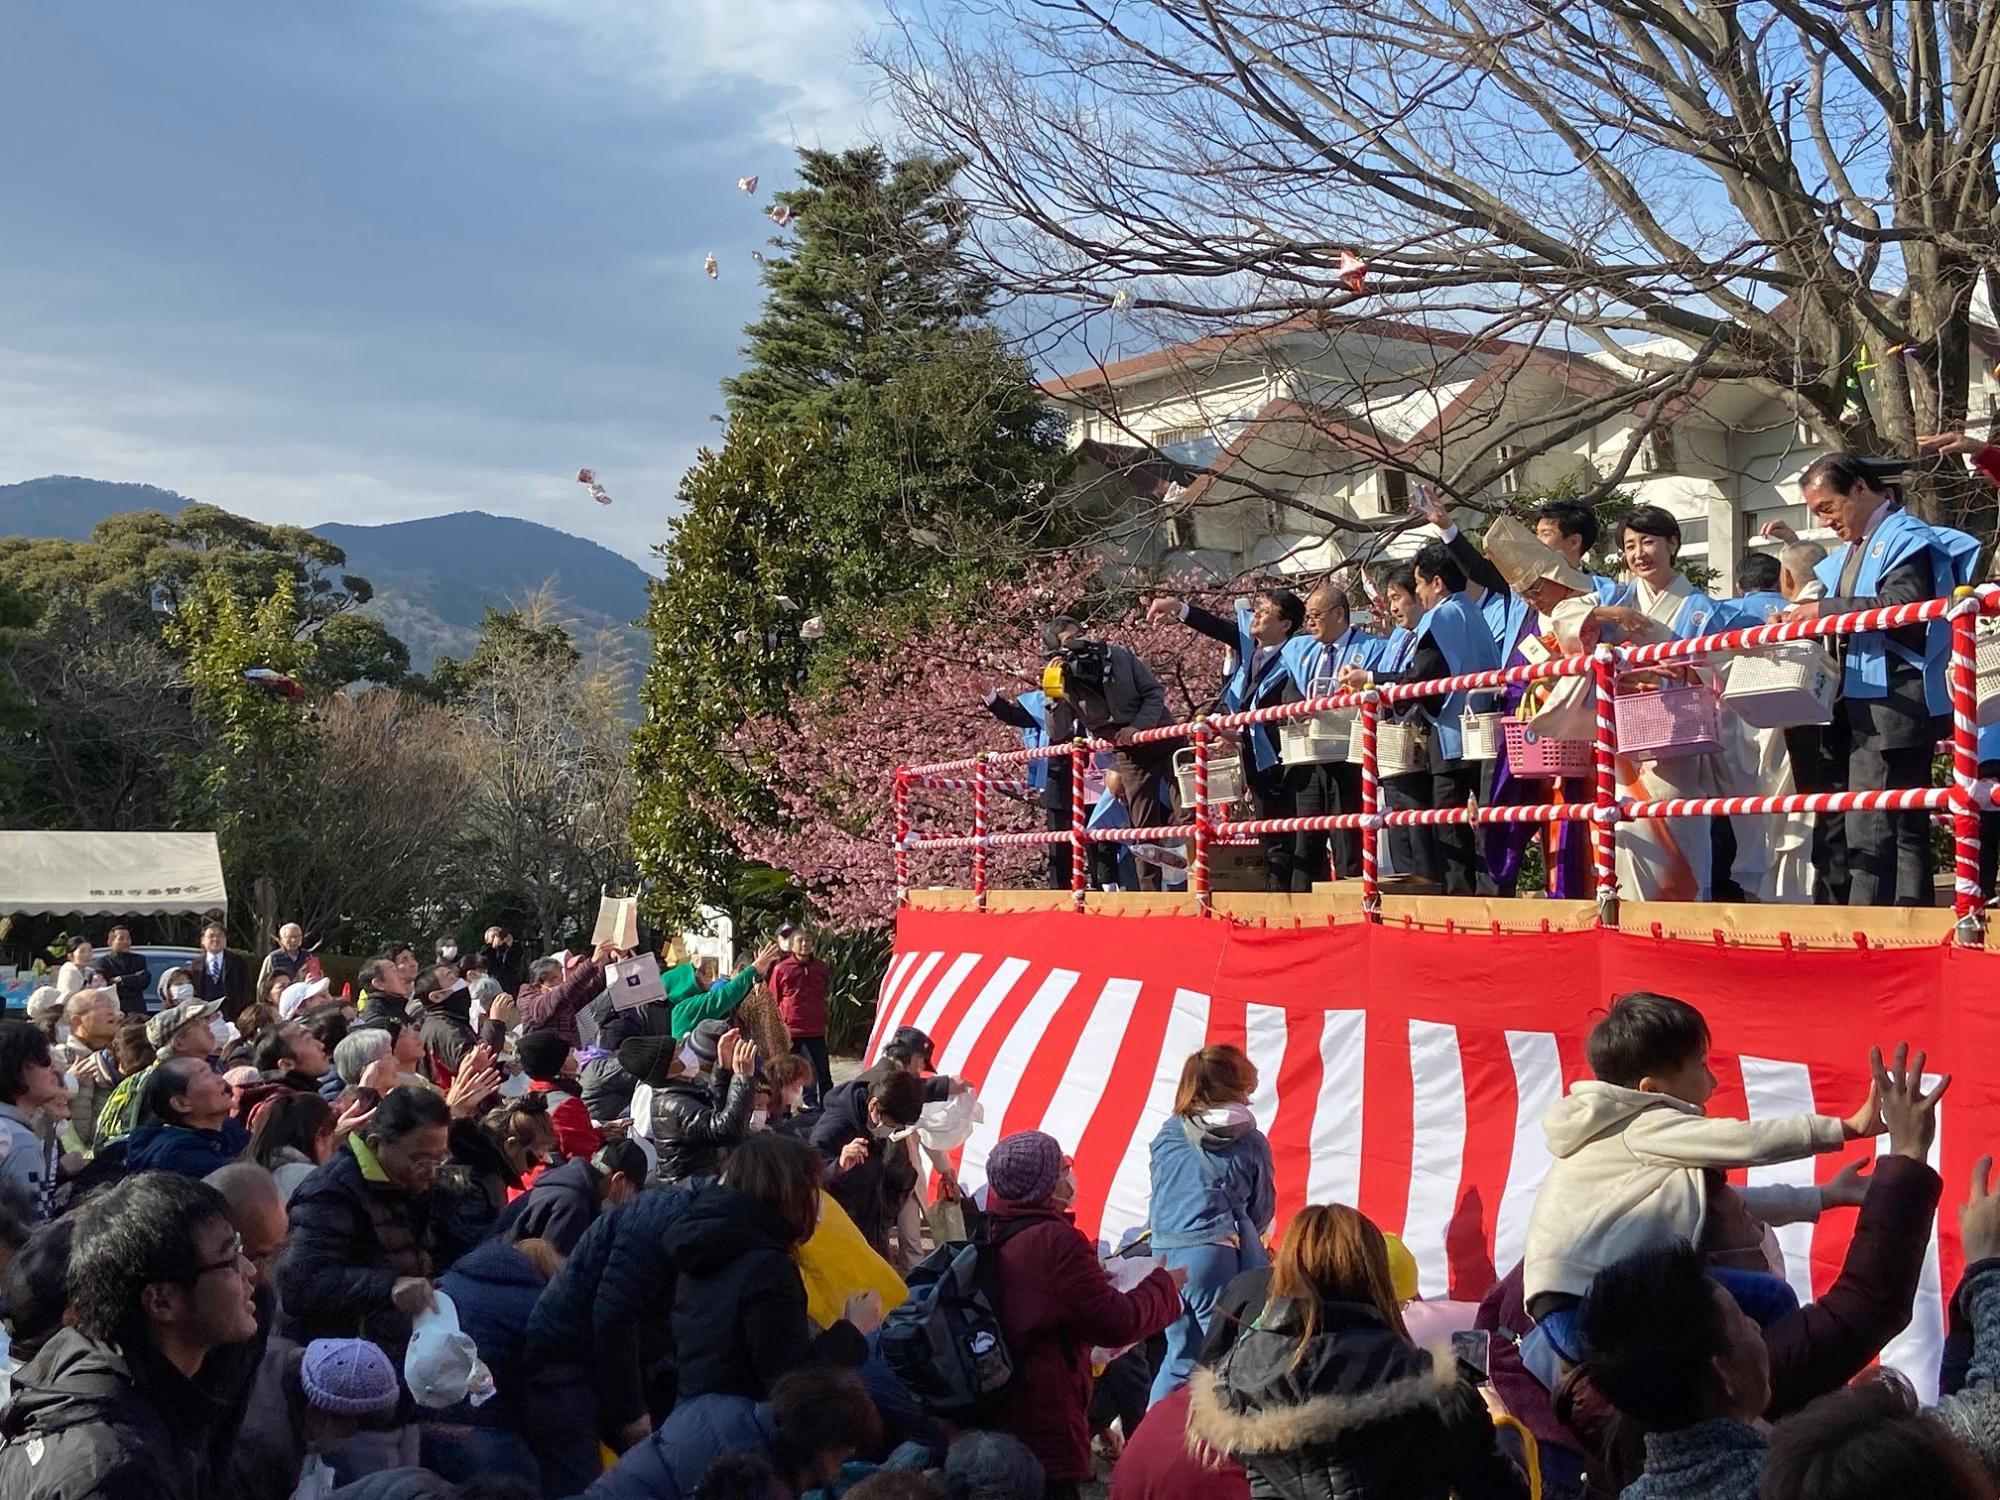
220 974
1892 681
1260 678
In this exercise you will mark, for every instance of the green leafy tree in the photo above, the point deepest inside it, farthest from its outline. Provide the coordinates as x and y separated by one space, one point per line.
245 779
874 277
886 452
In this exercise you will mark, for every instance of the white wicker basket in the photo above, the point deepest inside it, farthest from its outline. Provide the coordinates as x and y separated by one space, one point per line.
1988 658
1320 738
1783 687
1481 735
1225 775
1400 748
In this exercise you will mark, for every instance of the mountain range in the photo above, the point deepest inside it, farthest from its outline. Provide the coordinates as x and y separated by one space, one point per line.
433 577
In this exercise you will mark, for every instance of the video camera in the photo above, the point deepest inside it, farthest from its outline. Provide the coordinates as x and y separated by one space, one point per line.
1081 665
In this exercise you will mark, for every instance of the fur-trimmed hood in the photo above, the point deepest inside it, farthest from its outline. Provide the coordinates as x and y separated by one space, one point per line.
1219 1422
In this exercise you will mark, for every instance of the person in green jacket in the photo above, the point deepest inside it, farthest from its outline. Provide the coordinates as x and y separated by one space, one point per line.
688 1002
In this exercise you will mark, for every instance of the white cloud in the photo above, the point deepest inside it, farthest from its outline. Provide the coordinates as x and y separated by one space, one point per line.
799 54
236 447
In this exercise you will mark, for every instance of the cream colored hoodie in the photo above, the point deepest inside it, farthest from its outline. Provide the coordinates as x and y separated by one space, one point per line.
1627 1175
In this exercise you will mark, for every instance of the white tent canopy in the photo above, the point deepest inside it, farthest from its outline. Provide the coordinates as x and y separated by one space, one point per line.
110 874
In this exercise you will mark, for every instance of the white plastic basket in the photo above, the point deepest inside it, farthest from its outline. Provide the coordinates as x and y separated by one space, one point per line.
1783 687
1225 775
1320 738
1481 735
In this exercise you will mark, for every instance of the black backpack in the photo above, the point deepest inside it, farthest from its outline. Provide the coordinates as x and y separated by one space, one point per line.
944 1343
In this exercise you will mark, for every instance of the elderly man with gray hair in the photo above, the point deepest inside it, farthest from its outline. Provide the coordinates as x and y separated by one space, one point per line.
288 958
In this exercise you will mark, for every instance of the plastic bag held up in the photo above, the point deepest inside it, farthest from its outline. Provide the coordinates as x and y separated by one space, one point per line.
442 1366
947 1126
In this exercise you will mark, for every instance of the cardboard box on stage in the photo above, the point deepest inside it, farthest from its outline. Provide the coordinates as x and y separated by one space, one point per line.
1238 867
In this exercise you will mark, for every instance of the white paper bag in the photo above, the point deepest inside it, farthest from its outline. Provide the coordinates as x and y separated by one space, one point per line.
617 923
633 982
948 1125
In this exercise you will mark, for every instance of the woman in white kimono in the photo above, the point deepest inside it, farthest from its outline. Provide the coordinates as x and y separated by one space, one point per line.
1670 859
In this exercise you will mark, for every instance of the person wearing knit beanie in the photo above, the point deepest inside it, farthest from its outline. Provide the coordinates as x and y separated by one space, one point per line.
348 1378
1026 1167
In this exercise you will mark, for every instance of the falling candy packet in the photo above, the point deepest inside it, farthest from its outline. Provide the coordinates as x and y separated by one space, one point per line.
747 184
708 264
1352 272
781 215
812 628
588 477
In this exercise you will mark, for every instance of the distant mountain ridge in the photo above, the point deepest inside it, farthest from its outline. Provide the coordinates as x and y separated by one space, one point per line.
433 577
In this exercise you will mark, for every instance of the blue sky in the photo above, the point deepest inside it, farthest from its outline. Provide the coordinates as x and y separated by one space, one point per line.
386 258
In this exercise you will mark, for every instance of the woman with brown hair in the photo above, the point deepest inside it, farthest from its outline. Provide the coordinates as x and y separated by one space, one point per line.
1212 1196
1324 1395
739 1304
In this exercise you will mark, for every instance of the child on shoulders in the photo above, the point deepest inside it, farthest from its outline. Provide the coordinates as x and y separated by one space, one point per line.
1638 1163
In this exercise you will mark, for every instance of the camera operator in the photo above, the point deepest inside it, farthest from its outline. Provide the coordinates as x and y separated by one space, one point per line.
1114 695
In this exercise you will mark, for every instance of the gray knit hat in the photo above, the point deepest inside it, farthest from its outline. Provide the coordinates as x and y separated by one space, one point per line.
992 1466
348 1378
1025 1167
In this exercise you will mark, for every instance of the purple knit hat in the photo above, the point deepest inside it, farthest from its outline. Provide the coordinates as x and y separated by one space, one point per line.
1025 1168
348 1377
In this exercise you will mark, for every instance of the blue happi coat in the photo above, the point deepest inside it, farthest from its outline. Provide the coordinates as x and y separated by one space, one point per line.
1036 703
1240 692
1899 538
1461 632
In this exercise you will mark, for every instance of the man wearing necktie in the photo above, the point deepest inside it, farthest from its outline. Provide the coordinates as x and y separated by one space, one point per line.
1262 638
221 975
1330 787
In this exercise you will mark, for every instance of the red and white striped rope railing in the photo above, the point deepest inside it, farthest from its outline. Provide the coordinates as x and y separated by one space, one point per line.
1960 803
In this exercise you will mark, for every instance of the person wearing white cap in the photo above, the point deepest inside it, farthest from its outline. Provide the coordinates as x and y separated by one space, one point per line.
299 995
45 1011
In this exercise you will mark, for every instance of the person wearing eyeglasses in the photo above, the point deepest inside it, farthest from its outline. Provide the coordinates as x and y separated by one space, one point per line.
115 1404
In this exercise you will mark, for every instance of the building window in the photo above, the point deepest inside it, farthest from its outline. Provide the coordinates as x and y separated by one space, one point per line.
1168 437
1693 532
1660 456
1394 488
1510 469
1795 516
1180 532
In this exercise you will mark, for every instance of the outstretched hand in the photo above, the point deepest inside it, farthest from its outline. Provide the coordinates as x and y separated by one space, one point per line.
1940 443
1908 1113
1979 1217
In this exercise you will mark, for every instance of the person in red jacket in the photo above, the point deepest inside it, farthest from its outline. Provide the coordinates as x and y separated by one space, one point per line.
1055 1304
549 1061
799 982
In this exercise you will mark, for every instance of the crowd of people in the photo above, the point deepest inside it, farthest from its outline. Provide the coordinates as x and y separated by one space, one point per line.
447 1240
1454 609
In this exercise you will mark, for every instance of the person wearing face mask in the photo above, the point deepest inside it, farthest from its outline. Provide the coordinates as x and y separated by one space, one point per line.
447 1030
1448 637
1055 1304
790 1079
703 1093
550 1063
1213 1196
863 1132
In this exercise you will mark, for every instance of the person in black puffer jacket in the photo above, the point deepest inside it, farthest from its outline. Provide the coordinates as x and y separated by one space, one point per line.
740 1308
358 1255
1323 1397
600 1343
697 1116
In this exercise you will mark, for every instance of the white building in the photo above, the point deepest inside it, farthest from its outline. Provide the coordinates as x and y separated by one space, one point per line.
1287 431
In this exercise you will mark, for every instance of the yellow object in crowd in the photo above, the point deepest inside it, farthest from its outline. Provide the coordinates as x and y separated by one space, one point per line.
1052 678
837 1262
1402 1268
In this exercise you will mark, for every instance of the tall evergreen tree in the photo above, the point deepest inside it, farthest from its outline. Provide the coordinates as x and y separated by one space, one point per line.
874 278
885 451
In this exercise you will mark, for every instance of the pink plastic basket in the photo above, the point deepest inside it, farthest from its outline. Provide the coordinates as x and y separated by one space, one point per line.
1533 756
1670 724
